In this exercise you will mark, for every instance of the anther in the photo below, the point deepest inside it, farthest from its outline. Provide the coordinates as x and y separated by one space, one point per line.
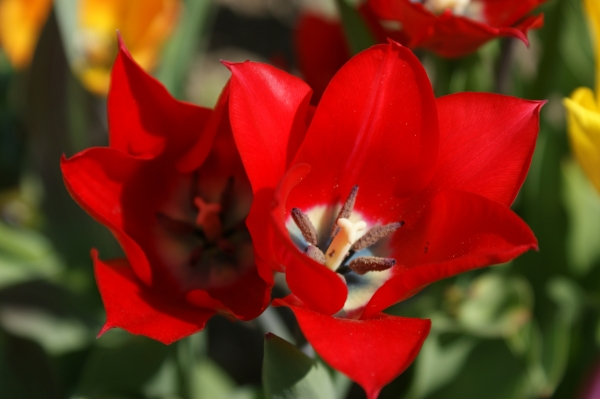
346 210
305 225
315 254
375 234
366 264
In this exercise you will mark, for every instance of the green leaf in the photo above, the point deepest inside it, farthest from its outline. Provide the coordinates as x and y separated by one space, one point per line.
557 338
25 370
270 321
583 206
491 372
66 12
180 49
569 297
495 305
56 335
290 374
123 366
439 364
580 58
211 381
358 35
165 383
25 255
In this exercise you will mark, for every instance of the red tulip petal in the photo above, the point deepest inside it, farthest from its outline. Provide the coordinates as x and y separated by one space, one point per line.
376 126
486 143
134 307
201 299
381 33
218 127
371 352
247 298
144 119
458 36
268 111
460 231
261 230
321 49
317 286
535 22
508 12
96 179
447 34
417 23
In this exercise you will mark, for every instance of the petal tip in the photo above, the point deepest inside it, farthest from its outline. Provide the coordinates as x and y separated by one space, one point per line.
227 64
122 46
393 43
535 247
233 65
104 329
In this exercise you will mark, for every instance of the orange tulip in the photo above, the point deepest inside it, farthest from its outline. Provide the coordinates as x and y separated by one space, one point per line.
21 22
144 25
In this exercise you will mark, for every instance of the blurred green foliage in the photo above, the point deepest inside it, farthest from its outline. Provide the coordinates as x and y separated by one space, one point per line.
528 329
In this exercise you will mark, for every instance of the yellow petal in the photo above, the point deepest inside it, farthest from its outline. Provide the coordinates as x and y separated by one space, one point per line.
21 22
144 25
584 131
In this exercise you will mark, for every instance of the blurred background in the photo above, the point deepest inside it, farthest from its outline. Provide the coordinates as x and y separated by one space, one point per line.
528 329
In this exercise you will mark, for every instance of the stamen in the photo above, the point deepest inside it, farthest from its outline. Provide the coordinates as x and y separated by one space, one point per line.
366 264
346 210
305 225
375 234
315 254
208 218
341 243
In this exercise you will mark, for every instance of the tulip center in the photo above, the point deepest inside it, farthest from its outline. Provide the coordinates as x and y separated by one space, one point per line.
346 239
210 247
467 8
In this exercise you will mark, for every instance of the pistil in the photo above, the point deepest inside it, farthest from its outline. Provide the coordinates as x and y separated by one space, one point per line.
342 242
208 218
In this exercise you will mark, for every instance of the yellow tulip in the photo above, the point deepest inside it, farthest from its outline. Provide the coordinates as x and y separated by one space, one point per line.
21 22
583 109
144 25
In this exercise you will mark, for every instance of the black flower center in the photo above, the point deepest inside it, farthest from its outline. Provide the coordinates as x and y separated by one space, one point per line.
217 248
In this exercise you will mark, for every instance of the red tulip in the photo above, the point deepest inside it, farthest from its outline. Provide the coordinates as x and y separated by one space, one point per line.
322 48
172 189
454 28
376 193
